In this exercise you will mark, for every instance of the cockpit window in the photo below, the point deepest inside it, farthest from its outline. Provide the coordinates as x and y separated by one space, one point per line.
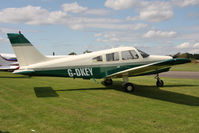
144 55
98 58
129 54
112 56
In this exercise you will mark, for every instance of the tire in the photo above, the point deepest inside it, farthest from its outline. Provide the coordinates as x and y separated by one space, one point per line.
159 83
129 87
108 82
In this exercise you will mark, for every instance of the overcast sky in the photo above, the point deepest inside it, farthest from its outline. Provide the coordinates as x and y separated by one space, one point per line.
64 26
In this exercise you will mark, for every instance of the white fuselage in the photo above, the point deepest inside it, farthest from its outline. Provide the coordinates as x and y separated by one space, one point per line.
87 60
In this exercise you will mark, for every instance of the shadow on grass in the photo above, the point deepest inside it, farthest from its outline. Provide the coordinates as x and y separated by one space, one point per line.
45 92
182 85
13 78
164 95
152 92
4 132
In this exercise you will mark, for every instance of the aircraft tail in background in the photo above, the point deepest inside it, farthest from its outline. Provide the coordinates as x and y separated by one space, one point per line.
6 64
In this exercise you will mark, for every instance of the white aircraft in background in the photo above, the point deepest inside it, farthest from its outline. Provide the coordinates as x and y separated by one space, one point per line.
122 62
8 62
9 56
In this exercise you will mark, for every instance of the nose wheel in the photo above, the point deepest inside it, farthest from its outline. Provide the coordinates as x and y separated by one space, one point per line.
159 82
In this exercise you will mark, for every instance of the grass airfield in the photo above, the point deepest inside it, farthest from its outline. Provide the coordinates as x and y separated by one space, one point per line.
192 67
51 104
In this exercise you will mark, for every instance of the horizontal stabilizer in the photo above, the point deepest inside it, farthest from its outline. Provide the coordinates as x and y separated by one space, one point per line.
23 71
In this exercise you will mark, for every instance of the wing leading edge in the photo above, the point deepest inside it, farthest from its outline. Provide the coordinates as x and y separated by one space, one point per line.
152 68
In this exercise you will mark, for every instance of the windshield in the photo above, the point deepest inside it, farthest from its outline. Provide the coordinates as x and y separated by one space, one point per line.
129 54
144 55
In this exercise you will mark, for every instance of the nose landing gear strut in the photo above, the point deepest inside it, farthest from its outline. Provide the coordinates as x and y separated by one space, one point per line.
159 82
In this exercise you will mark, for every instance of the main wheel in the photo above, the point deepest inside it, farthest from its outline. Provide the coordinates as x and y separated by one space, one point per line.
129 87
108 82
159 83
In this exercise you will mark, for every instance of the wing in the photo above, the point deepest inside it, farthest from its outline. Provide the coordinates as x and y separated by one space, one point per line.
152 68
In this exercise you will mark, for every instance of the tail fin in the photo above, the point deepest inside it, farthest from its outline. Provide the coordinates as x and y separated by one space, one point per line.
26 53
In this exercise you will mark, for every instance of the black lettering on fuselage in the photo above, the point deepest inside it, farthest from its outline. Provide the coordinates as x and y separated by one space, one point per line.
80 72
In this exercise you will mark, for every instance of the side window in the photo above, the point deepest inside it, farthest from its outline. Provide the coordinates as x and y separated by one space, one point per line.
112 56
98 58
130 54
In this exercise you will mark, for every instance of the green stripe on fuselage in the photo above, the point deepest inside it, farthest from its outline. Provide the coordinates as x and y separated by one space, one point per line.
82 72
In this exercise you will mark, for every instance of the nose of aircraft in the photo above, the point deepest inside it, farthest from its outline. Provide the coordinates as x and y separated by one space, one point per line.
160 57
167 57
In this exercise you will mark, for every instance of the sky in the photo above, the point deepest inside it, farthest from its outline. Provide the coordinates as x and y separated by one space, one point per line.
62 26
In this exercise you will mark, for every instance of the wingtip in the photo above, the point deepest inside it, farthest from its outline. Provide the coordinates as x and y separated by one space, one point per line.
182 60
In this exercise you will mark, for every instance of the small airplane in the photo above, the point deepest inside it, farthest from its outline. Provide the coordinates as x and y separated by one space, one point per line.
8 62
121 62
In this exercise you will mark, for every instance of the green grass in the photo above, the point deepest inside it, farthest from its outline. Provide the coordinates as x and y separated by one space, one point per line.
186 67
49 105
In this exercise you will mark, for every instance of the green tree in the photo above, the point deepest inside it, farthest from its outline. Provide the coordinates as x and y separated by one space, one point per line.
87 51
72 53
